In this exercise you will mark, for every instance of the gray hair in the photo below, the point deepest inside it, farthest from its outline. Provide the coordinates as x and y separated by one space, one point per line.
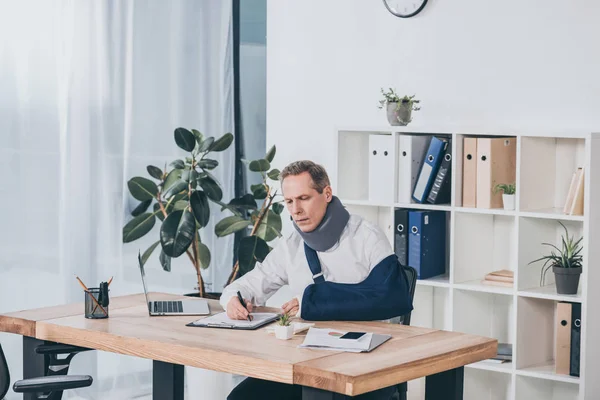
317 173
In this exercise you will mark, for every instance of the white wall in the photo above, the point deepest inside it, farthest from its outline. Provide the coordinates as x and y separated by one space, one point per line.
489 65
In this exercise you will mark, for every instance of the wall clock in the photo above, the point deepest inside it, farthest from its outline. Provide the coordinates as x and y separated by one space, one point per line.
405 8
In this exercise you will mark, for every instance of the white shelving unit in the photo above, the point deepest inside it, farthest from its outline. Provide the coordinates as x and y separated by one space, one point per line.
484 240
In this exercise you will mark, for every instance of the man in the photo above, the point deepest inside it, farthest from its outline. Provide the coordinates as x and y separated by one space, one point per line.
348 249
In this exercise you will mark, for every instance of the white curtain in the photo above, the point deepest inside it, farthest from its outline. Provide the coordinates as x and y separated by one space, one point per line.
90 94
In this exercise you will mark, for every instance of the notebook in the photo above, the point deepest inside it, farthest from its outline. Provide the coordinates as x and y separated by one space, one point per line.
330 339
221 320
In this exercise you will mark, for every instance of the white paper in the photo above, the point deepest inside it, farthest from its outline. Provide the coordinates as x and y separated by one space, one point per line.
329 339
222 320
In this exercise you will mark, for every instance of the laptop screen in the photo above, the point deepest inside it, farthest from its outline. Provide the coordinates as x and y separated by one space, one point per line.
144 281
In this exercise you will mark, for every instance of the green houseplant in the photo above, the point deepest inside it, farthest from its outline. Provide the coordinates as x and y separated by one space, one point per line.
284 328
265 219
399 109
566 263
508 194
178 197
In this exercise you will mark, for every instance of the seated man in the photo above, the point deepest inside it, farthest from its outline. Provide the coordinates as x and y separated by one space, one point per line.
348 250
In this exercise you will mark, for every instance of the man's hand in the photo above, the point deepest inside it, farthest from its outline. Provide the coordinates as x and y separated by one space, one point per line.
291 307
235 310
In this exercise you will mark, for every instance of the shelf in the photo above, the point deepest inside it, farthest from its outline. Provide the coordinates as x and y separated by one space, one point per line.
484 314
505 368
427 206
549 293
486 211
439 281
432 308
486 384
534 388
550 213
546 371
477 286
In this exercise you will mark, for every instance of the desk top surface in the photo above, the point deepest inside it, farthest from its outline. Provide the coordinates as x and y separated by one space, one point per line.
412 352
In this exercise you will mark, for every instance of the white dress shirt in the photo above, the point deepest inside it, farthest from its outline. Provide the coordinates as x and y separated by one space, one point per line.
361 247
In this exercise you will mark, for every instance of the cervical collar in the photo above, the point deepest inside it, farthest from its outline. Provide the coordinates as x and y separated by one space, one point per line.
324 236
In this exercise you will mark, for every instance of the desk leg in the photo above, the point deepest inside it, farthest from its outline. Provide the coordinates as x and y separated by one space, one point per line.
167 381
447 385
34 365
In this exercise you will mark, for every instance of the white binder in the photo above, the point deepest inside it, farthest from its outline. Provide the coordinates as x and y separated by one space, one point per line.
410 154
381 168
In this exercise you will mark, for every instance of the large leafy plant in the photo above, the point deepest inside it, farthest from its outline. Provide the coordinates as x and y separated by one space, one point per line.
265 219
568 256
178 196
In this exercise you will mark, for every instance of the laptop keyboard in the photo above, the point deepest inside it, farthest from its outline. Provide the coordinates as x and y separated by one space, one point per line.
168 306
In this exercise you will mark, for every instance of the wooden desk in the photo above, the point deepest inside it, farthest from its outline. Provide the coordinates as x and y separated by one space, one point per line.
411 353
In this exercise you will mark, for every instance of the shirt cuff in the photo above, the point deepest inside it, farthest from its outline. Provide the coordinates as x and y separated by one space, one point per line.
298 314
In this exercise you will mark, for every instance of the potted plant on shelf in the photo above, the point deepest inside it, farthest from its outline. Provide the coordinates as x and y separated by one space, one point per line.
508 194
566 263
399 109
179 198
265 220
284 328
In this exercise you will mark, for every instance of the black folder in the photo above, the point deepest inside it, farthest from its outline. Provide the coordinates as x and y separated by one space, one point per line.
401 235
575 339
441 189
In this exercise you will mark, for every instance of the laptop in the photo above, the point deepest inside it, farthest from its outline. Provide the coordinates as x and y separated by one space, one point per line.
159 307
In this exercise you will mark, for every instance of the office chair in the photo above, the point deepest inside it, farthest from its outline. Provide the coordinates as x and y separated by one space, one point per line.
411 275
51 386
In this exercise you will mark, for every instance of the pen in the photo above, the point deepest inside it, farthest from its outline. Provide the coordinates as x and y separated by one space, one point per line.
243 303
90 294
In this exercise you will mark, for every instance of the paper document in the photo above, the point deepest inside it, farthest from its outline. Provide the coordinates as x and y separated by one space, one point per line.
221 320
329 339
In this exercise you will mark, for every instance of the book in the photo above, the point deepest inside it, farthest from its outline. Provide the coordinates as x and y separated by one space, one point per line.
330 339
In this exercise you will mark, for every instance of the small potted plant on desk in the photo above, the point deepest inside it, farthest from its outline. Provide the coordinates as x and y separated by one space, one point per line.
399 109
284 328
566 264
508 195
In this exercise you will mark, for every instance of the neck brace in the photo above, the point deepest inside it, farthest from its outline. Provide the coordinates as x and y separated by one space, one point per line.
324 236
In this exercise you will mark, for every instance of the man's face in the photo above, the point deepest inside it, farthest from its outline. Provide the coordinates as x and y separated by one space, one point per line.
306 206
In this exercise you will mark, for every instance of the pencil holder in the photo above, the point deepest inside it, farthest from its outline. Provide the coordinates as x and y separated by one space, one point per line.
96 303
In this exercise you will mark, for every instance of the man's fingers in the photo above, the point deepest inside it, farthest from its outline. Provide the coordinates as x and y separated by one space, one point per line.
249 305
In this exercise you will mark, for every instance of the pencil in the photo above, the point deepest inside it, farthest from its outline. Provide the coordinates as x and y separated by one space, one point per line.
110 280
81 283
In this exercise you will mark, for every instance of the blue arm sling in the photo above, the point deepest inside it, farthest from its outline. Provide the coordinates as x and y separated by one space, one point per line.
382 295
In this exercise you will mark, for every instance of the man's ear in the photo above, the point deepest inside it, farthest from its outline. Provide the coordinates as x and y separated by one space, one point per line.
328 193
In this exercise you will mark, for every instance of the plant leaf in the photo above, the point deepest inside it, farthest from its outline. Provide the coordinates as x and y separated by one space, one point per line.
138 227
200 207
206 144
277 208
259 165
177 232
198 135
270 154
171 179
154 172
142 189
207 163
246 202
274 174
230 225
165 261
141 208
252 249
177 187
222 143
203 255
177 164
185 139
270 226
180 205
260 192
148 252
211 188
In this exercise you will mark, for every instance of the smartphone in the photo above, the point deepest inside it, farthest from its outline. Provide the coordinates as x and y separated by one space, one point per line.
352 335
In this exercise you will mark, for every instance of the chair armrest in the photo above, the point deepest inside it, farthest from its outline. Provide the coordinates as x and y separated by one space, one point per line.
59 349
52 383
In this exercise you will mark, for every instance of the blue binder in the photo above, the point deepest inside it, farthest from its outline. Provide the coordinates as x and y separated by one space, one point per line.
429 168
427 243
